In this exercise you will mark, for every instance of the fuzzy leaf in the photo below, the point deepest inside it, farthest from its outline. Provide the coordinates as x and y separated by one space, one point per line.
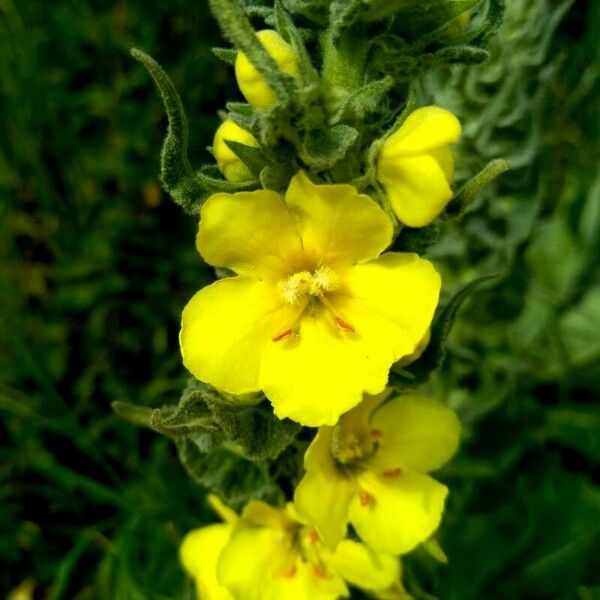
182 419
254 429
230 476
254 158
244 115
291 34
467 194
246 424
344 13
322 148
468 55
417 240
138 415
316 11
175 171
416 13
212 180
365 99
275 177
493 21
227 55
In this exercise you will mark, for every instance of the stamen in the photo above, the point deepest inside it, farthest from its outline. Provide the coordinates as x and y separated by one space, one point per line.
376 434
344 325
324 279
290 572
320 572
313 537
366 499
320 282
392 472
283 335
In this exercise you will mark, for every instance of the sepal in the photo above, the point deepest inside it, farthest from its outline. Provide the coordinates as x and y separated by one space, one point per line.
213 181
323 148
175 171
469 191
227 55
254 158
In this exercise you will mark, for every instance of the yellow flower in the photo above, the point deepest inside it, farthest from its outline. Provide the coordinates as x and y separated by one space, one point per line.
251 83
315 316
273 554
377 478
415 165
24 591
200 550
227 161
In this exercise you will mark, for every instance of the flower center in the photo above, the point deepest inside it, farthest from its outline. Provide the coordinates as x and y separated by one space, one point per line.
316 284
356 447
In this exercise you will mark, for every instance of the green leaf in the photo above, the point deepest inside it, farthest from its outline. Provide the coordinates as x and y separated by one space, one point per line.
248 423
175 170
138 415
224 472
212 180
468 193
555 259
589 593
364 100
275 177
577 427
580 330
254 158
244 115
435 352
322 148
291 34
468 55
255 430
417 240
185 418
227 55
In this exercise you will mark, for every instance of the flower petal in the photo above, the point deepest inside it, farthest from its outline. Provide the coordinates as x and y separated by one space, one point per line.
424 129
324 493
389 302
307 583
417 187
259 563
393 514
419 434
361 566
199 553
250 559
337 224
321 372
224 329
251 233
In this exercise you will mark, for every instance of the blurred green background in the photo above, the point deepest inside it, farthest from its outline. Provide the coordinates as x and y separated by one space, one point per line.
96 264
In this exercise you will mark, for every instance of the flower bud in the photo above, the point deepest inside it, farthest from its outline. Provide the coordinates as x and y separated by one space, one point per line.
416 167
251 83
228 162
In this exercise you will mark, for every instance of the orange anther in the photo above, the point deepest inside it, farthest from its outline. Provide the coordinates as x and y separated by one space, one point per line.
343 324
376 434
392 472
313 537
320 572
290 572
283 336
366 499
